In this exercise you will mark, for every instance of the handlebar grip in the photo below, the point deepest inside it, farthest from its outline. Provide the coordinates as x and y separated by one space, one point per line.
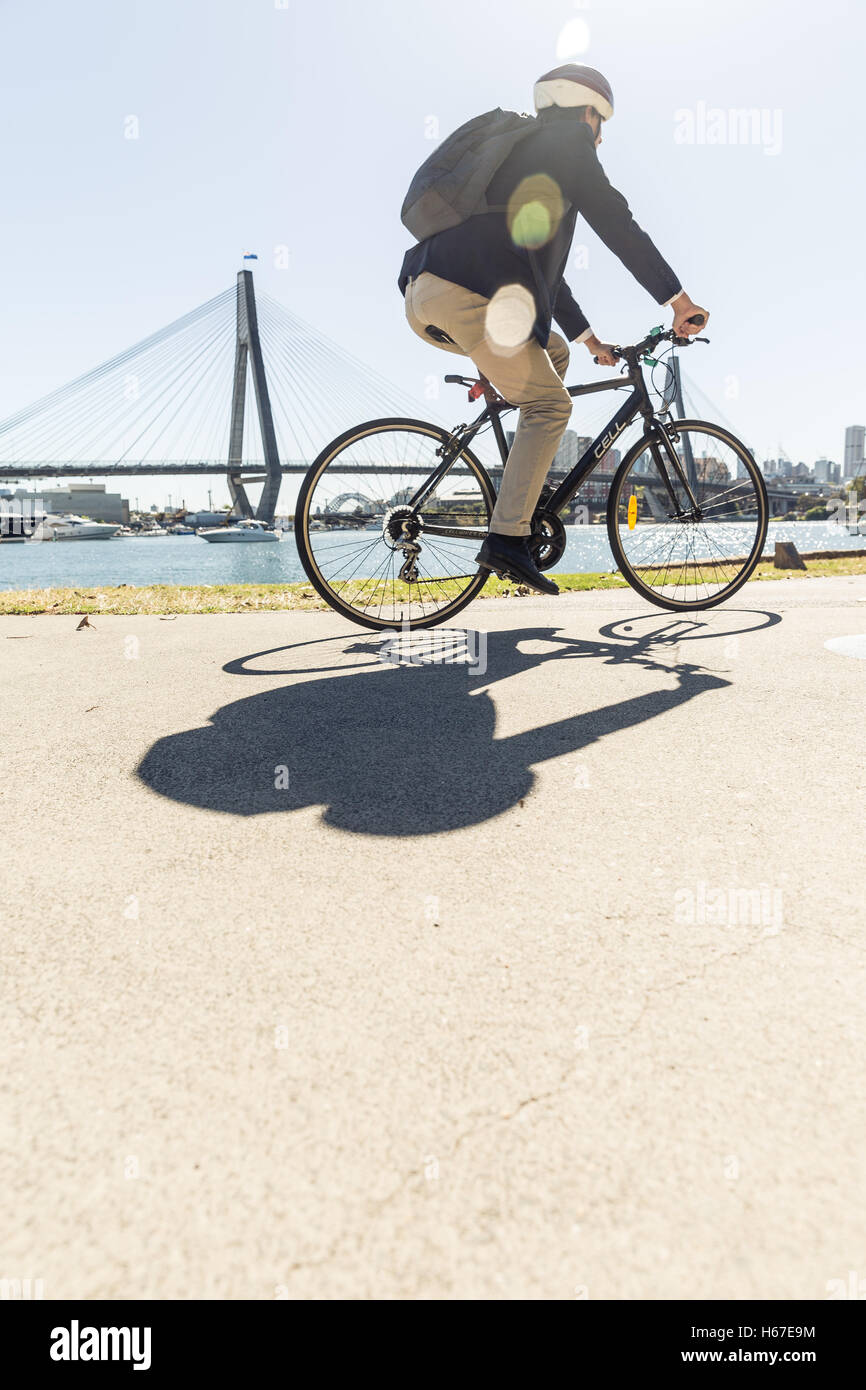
697 319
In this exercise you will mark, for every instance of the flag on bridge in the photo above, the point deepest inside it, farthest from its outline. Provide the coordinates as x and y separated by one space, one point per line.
250 256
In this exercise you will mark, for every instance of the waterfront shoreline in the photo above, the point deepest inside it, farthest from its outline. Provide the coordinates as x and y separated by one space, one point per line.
181 561
172 599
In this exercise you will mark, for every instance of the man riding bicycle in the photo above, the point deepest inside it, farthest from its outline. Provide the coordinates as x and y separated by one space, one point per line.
488 288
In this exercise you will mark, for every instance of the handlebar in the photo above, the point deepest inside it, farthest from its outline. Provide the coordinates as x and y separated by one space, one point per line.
659 335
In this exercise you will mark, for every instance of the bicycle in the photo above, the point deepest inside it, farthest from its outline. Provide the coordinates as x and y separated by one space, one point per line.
686 524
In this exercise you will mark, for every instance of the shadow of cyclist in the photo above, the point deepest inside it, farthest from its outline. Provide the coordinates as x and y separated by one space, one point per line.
400 750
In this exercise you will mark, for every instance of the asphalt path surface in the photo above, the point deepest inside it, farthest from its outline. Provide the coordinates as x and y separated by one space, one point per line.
522 961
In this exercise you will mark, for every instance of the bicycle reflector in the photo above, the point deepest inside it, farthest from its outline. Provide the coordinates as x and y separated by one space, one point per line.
632 512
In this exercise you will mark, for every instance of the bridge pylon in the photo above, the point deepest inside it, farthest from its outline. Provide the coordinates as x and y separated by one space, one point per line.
248 348
691 470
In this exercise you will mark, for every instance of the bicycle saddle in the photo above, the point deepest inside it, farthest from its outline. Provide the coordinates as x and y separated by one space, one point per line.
480 386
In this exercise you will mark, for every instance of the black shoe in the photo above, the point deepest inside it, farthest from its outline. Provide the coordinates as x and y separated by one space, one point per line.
511 558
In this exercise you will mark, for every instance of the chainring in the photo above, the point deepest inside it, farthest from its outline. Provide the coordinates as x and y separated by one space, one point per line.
548 539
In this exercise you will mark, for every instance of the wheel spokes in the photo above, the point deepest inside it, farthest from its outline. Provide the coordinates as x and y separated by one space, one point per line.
691 554
362 530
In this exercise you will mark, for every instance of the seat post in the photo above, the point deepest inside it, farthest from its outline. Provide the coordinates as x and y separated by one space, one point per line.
499 434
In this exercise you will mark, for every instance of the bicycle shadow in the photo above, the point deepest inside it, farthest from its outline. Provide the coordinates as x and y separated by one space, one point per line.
402 750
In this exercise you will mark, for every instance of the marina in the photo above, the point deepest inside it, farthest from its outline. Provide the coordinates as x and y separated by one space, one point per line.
181 559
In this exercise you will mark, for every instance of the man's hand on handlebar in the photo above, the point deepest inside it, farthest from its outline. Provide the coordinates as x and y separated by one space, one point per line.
608 354
689 318
603 353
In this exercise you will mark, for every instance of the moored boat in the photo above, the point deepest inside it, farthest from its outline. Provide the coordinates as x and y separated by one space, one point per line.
245 531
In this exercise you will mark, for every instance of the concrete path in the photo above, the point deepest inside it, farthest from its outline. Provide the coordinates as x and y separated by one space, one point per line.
538 976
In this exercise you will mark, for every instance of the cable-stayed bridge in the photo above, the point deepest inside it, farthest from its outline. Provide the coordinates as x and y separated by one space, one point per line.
239 387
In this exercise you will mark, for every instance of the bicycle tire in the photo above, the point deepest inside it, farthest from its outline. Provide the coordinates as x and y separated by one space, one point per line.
301 525
632 576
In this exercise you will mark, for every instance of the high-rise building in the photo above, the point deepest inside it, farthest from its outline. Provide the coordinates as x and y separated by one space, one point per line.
571 447
711 470
855 451
609 462
826 471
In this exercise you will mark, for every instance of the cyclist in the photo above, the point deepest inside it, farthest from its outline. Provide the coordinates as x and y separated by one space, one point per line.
489 287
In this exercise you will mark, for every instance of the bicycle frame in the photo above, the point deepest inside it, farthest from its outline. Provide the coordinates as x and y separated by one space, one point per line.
638 403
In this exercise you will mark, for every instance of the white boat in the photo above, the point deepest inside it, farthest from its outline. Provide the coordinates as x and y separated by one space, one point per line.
69 527
243 531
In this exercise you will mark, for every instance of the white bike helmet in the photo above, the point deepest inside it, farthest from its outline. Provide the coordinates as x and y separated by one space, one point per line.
575 85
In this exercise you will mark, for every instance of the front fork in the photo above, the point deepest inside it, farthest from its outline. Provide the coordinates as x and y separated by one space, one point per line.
659 433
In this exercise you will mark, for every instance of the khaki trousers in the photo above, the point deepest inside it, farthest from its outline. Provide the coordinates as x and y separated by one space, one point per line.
525 374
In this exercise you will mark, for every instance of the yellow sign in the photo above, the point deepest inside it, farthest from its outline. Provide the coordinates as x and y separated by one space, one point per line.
632 512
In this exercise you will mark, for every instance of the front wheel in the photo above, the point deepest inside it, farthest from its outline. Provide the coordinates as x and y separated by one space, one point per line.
687 525
372 550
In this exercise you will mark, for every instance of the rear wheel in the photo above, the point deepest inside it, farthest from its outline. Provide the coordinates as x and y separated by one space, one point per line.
678 552
368 550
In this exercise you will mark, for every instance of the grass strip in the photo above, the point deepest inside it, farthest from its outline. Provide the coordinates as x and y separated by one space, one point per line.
163 599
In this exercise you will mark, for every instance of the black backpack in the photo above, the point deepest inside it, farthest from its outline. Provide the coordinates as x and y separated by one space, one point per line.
451 185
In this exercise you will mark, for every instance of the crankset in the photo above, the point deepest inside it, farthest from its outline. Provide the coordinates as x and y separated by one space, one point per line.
547 540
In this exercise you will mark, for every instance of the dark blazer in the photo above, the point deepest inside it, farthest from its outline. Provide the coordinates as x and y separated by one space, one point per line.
550 177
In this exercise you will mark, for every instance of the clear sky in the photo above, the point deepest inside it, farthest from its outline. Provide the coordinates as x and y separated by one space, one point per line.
281 123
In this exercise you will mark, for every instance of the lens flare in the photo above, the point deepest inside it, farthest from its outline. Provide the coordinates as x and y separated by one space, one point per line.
573 40
531 226
534 211
510 318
